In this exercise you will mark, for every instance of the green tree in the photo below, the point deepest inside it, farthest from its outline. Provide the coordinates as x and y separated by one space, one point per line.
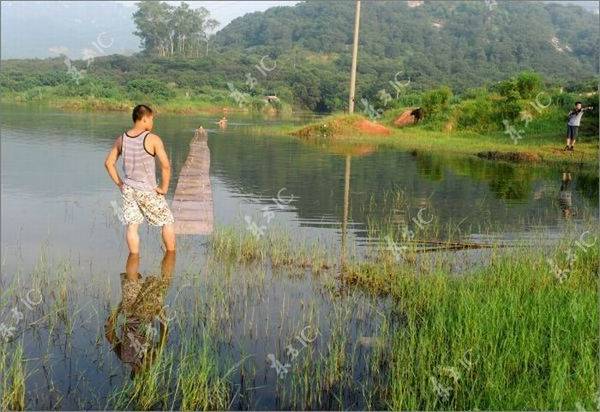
168 31
528 83
436 101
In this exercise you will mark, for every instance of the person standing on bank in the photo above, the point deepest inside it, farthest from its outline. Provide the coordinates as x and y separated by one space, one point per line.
142 197
574 120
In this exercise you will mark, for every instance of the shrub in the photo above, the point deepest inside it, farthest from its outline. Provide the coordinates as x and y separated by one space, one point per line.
508 107
144 88
436 101
476 114
528 83
506 88
565 101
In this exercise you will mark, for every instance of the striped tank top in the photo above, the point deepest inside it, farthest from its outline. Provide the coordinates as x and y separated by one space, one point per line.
138 165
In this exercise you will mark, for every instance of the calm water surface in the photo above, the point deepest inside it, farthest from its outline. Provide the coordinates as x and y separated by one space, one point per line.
55 190
57 212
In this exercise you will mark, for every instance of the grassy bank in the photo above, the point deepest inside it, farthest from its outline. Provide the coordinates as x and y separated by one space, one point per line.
508 336
536 146
48 96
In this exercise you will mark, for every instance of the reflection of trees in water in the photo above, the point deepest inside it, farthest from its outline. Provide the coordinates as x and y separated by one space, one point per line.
429 167
315 176
586 184
505 181
510 183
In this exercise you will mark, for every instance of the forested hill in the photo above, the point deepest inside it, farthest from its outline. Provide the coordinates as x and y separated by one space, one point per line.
421 45
462 44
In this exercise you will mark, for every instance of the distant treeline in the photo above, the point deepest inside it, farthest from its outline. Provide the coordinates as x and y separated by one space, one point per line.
301 54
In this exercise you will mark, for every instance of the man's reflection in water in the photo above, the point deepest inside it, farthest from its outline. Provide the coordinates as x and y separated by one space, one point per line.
564 196
131 327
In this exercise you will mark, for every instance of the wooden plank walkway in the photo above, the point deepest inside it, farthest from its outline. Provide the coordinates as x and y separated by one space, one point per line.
192 204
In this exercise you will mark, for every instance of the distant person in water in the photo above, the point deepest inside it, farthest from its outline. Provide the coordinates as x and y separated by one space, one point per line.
223 122
573 122
142 197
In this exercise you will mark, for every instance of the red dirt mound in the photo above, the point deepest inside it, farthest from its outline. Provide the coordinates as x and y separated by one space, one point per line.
405 119
369 127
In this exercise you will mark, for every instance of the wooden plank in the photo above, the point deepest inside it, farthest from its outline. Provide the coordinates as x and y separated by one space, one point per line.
192 204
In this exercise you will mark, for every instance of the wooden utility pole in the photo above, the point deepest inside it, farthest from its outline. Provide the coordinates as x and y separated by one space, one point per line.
354 57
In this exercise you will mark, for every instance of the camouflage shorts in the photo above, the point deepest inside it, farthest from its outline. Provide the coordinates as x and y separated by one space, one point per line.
139 204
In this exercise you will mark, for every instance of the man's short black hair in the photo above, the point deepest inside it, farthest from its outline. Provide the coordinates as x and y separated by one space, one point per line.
576 103
140 111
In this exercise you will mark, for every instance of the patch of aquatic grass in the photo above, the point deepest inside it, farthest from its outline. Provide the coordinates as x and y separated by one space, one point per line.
506 336
337 362
12 379
324 375
284 251
149 389
242 246
199 380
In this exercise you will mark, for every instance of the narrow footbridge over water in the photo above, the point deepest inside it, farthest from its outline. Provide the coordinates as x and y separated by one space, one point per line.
193 201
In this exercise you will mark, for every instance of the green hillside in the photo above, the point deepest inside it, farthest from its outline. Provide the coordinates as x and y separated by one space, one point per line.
459 43
422 44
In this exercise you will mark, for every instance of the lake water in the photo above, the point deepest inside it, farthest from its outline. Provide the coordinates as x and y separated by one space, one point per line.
57 212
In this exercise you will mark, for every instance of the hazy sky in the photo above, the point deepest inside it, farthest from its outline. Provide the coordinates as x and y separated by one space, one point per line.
225 11
49 28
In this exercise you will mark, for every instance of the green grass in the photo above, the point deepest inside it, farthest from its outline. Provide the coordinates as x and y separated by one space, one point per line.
202 386
506 335
242 246
12 378
539 143
518 338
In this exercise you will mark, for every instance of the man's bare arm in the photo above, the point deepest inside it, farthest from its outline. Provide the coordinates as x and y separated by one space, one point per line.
165 165
111 161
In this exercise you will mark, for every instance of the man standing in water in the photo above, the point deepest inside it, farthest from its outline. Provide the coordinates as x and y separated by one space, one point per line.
574 119
142 198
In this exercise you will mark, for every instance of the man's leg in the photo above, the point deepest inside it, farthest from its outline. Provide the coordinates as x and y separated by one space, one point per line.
133 238
168 236
132 217
155 209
